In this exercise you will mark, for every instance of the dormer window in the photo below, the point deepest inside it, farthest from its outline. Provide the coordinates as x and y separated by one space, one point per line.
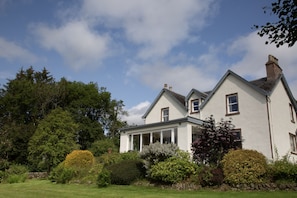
195 105
232 104
165 114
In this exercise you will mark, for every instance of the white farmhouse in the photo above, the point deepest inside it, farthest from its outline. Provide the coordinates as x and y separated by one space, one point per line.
263 112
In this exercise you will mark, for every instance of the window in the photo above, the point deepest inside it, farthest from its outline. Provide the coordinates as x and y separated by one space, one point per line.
293 143
136 142
232 104
195 106
166 137
165 114
196 133
146 139
156 137
292 113
237 138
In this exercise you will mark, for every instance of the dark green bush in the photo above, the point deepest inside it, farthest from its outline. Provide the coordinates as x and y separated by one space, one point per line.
4 164
103 179
61 174
126 172
244 167
172 170
15 174
100 147
283 171
110 158
132 155
210 176
3 176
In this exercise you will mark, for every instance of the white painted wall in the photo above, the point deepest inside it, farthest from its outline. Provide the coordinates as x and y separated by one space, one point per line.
281 121
252 119
175 111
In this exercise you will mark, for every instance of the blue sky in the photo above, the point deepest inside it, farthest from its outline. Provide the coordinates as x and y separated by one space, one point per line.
134 47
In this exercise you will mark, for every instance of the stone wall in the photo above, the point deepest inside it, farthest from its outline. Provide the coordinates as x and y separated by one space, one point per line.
37 175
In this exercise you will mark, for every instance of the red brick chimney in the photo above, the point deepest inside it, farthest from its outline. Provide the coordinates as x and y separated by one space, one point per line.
273 70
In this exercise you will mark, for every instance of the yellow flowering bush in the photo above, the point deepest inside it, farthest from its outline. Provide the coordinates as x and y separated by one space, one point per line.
79 159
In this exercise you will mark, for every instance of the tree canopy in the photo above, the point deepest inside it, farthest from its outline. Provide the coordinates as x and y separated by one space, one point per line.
283 31
27 100
54 138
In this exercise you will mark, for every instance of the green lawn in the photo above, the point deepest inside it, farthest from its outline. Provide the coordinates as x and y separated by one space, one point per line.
46 189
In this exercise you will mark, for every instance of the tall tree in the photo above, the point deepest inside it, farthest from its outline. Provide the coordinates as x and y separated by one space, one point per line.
284 31
24 101
53 139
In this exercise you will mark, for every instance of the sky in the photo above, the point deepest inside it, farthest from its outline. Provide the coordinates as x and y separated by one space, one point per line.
134 47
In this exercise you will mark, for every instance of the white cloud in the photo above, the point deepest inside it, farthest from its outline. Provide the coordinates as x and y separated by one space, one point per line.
182 78
156 26
14 52
76 42
255 53
135 113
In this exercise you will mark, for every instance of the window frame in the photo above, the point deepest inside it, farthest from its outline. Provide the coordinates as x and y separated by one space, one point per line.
193 106
291 113
293 143
228 105
164 117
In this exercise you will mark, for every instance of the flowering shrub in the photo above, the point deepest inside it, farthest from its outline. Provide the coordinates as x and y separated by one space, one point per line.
157 152
79 159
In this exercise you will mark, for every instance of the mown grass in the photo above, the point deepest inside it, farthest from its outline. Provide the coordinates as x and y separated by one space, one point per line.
46 189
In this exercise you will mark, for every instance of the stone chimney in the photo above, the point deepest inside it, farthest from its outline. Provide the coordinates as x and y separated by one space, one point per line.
165 86
273 70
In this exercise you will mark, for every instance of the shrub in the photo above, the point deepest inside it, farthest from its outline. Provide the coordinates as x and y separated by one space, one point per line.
157 152
14 178
4 164
283 170
244 167
110 158
126 172
61 174
131 155
100 147
210 176
79 159
3 176
103 179
172 170
15 174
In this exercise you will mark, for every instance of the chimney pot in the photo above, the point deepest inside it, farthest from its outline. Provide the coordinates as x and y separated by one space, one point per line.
165 85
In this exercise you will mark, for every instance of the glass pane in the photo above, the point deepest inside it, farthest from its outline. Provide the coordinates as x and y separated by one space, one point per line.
175 136
166 137
146 139
136 142
196 132
232 99
156 137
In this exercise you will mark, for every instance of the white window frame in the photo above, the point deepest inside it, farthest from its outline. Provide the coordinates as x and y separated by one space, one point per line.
229 105
173 135
195 106
165 114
